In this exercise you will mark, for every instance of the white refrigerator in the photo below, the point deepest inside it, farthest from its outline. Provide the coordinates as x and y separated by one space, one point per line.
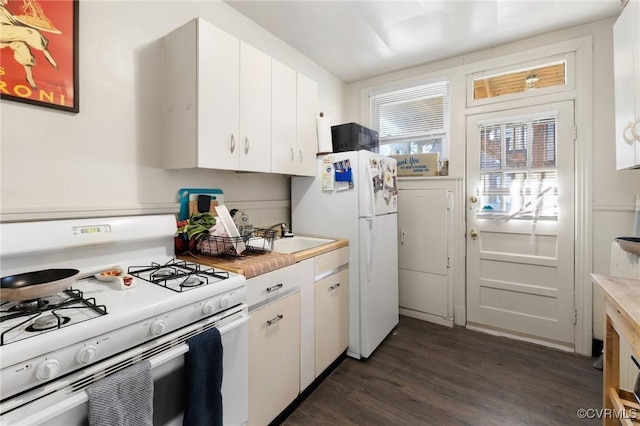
354 195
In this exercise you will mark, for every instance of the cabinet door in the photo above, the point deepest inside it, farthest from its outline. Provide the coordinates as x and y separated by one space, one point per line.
255 109
331 318
283 121
307 110
626 55
274 357
423 220
201 107
218 104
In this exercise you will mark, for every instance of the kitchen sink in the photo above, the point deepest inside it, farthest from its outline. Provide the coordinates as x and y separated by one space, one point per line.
298 243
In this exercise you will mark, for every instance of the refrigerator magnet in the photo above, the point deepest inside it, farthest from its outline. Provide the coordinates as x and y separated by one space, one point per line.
328 176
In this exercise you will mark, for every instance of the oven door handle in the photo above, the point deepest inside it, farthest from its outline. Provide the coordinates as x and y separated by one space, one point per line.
80 398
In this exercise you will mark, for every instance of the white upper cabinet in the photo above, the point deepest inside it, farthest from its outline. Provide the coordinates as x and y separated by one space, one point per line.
294 107
626 40
306 134
283 119
201 111
255 109
220 110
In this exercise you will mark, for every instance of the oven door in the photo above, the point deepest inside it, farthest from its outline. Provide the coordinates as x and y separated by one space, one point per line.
67 403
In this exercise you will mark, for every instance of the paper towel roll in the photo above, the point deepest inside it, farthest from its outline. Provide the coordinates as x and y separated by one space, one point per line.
324 133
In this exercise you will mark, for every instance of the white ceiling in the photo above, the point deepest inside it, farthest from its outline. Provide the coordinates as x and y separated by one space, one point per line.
355 40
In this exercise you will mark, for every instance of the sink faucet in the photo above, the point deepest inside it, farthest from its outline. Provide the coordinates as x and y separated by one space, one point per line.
281 225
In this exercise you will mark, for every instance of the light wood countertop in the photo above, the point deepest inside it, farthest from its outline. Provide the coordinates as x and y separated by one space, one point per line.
238 266
624 294
325 248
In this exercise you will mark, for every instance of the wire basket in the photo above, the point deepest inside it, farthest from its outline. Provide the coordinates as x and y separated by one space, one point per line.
258 241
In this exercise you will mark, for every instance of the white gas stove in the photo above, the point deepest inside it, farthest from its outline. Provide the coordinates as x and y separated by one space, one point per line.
81 334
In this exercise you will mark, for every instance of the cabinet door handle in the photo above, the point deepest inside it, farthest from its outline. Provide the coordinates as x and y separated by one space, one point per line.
335 286
233 144
274 288
628 128
402 237
275 319
635 134
246 145
291 154
301 156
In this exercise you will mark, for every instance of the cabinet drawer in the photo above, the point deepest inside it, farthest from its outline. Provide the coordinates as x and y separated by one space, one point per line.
329 263
270 286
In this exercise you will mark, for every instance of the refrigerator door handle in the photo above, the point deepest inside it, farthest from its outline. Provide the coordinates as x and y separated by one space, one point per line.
372 190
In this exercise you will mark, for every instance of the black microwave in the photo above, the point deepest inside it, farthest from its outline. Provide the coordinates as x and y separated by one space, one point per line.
353 137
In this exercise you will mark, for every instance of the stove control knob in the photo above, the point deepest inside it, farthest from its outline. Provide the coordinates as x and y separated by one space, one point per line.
209 308
225 301
86 354
157 327
48 369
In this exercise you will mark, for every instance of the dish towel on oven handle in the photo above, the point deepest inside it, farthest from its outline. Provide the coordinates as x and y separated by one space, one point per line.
124 398
203 389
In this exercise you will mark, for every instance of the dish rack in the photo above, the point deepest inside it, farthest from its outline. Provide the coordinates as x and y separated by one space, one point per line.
259 241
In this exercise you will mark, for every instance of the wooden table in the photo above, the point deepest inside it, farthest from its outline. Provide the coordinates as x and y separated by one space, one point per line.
622 320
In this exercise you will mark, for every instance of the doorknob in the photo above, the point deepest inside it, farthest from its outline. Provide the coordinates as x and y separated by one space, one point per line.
473 233
473 199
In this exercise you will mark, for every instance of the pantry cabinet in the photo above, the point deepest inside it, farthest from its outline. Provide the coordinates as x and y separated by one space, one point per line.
274 356
626 40
229 106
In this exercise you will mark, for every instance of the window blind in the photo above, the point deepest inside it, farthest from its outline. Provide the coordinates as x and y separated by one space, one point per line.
413 113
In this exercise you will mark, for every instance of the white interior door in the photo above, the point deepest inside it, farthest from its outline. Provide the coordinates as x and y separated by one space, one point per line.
520 223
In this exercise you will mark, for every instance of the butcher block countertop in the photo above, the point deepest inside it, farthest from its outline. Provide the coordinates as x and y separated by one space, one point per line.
253 265
624 294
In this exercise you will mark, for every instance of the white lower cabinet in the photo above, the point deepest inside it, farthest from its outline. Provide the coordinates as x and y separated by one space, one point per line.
274 358
299 326
331 319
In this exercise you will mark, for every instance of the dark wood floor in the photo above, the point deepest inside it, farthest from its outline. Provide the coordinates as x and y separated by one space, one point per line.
425 374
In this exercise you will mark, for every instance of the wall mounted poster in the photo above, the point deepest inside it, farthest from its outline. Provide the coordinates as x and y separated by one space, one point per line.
39 52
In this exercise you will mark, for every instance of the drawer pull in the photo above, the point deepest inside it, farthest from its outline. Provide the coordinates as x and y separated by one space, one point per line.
274 319
333 287
274 288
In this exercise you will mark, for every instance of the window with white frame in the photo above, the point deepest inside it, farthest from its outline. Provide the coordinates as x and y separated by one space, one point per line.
413 120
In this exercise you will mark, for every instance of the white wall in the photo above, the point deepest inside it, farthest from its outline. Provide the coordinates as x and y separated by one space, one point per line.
613 192
108 157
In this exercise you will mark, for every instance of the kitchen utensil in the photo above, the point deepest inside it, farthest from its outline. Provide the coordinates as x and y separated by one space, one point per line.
231 228
629 244
38 284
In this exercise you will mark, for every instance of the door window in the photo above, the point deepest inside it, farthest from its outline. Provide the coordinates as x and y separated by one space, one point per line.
518 176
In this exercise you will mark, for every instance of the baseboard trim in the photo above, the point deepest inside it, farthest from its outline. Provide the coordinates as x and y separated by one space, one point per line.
553 344
447 322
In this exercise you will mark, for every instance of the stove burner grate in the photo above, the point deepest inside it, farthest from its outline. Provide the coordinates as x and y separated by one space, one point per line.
75 300
187 275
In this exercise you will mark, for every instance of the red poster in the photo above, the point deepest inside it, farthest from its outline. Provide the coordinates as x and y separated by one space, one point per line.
39 52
